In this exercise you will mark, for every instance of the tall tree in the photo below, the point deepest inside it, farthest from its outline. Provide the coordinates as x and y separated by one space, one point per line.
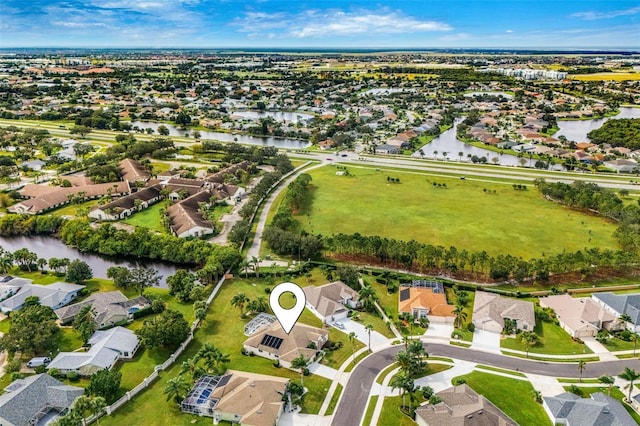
581 367
369 327
177 389
607 380
630 375
168 329
352 340
529 338
84 323
367 296
301 363
105 383
239 301
403 382
142 278
78 271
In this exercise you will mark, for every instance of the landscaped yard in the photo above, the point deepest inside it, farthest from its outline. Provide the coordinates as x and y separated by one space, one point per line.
514 397
553 340
148 218
415 209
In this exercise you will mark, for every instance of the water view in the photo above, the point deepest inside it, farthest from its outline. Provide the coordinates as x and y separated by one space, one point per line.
576 130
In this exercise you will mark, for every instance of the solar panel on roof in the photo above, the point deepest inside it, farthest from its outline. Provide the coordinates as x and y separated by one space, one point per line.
404 294
224 380
271 341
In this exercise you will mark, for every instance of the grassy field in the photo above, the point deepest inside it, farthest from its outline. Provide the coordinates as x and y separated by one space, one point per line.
553 340
415 209
391 414
601 76
514 397
148 218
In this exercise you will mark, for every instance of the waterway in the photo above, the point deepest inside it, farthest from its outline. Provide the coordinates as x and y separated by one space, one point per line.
576 130
48 247
287 143
449 143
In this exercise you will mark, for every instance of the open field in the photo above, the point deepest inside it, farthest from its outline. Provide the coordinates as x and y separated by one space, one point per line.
514 397
462 214
615 76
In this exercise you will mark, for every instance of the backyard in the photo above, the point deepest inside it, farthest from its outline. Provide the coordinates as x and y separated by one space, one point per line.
417 209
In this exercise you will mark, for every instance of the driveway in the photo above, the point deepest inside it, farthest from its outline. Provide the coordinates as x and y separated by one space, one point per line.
439 330
362 334
486 341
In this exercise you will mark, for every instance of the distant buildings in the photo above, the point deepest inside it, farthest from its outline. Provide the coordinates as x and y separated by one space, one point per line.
528 74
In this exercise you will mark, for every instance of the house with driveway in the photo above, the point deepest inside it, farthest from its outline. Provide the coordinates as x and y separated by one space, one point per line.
107 347
36 400
272 342
108 308
425 299
331 302
580 316
619 304
238 397
491 310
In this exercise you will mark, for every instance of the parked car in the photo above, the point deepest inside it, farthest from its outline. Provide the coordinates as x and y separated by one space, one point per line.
38 361
339 325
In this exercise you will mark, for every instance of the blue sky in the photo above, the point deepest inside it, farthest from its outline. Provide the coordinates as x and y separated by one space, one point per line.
320 23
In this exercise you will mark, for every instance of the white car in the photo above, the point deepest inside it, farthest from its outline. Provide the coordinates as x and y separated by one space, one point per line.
339 325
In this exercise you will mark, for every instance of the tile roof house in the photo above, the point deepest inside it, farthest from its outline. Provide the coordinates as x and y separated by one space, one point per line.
133 171
600 409
125 206
618 304
273 343
54 295
461 405
36 399
490 311
331 302
238 397
108 308
187 219
580 317
107 347
425 303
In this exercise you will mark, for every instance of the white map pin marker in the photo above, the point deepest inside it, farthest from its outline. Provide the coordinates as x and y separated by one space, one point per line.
287 317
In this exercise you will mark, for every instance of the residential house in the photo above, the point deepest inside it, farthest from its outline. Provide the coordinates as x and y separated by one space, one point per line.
108 308
491 310
580 317
622 166
44 197
272 342
331 302
133 171
600 409
238 397
619 304
461 405
54 295
425 299
35 165
107 347
10 285
187 219
387 149
36 400
127 205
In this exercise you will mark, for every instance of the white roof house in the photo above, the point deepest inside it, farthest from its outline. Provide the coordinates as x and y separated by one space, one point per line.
107 347
53 295
580 317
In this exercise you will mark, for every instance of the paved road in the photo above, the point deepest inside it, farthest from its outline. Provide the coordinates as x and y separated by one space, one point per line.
354 398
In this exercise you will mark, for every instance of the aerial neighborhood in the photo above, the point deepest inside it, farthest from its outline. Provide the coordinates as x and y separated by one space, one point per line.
463 226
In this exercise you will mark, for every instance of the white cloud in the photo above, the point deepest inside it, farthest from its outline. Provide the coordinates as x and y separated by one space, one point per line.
509 31
591 16
321 23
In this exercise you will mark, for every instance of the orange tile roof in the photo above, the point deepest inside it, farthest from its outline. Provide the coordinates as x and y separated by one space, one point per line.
425 298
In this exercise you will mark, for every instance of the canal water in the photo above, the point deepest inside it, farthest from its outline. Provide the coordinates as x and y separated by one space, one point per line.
48 247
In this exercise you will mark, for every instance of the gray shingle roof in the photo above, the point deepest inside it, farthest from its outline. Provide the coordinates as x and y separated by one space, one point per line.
50 295
623 303
27 397
599 410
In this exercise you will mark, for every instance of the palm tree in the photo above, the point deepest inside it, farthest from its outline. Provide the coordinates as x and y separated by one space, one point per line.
581 366
176 389
460 314
368 297
369 327
529 338
255 264
191 366
403 382
238 301
301 363
625 318
631 375
607 380
244 266
97 407
352 337
81 405
435 157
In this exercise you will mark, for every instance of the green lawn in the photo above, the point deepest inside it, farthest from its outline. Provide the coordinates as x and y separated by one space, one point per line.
514 397
391 414
615 344
148 218
334 400
415 209
75 209
553 340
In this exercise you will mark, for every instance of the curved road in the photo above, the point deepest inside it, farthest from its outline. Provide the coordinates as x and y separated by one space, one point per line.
356 394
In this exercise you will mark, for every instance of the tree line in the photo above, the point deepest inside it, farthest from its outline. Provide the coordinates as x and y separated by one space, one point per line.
623 132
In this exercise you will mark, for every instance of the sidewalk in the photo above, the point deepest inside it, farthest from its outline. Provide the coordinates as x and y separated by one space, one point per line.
599 349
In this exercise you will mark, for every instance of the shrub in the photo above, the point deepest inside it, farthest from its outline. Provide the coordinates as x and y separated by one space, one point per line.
459 381
471 327
72 376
